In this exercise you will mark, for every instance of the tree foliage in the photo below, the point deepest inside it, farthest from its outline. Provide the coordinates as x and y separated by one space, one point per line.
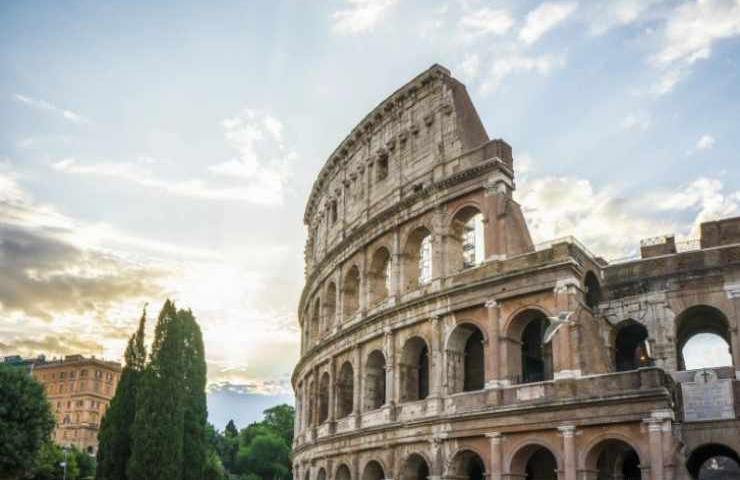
26 422
114 437
259 451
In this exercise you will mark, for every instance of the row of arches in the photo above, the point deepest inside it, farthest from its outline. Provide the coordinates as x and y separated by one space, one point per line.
609 459
416 266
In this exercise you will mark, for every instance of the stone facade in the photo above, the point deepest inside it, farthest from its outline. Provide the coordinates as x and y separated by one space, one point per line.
79 390
439 342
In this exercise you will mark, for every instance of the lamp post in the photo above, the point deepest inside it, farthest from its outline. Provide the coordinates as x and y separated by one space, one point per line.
64 463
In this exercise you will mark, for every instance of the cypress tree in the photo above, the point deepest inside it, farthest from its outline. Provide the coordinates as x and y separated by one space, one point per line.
114 437
157 433
195 445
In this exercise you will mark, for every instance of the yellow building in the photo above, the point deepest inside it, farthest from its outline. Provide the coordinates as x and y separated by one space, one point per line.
79 390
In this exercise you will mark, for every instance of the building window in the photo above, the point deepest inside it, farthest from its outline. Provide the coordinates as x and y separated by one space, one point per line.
473 241
381 169
83 373
334 213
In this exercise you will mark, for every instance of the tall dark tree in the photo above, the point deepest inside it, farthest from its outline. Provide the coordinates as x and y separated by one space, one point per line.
114 438
157 432
195 446
26 421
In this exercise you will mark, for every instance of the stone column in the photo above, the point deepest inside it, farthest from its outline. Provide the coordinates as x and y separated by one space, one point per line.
436 366
332 395
357 386
733 293
568 432
496 468
493 377
654 426
667 440
563 352
389 346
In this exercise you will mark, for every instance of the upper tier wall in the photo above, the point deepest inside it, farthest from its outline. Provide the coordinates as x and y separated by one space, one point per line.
405 143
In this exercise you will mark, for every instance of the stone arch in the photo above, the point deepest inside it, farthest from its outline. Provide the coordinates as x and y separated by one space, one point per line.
351 292
316 320
324 392
311 403
345 390
414 370
307 475
330 304
342 473
534 460
467 464
322 474
379 275
374 397
613 456
631 348
465 358
415 467
700 319
700 457
466 242
592 287
532 361
373 471
417 259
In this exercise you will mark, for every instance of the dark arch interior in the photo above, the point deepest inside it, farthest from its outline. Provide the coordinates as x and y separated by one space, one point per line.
474 362
714 461
616 459
375 381
696 320
324 398
541 466
593 290
415 370
343 473
345 390
536 356
373 471
629 347
469 466
321 475
416 468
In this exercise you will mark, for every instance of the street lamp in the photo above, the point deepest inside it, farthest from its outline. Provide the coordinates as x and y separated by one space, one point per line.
64 463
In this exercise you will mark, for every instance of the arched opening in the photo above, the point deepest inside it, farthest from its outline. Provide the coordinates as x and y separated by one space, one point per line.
614 459
593 290
467 242
714 461
330 305
351 288
417 259
375 380
345 390
631 348
415 468
307 475
702 338
465 359
380 275
324 387
467 465
343 473
414 369
373 471
316 321
535 462
311 404
321 475
536 356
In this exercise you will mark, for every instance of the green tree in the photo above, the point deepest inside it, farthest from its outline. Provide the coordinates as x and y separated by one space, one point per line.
49 463
267 456
26 422
213 470
157 432
85 463
114 438
195 413
280 419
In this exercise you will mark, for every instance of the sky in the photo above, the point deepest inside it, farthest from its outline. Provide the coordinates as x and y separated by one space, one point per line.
167 149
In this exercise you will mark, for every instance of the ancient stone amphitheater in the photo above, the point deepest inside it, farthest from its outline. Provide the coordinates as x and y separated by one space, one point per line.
439 342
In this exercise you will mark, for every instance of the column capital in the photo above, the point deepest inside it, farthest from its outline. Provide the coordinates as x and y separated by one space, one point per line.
494 436
567 430
492 303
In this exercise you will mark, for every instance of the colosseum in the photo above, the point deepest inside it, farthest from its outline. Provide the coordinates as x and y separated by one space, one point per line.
439 342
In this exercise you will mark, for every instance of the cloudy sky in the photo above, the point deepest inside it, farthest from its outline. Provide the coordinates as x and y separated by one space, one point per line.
165 150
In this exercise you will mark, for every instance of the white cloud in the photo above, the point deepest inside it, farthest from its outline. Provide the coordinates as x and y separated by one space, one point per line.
705 142
603 16
505 65
544 18
486 21
359 16
469 67
690 32
49 107
637 121
561 206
